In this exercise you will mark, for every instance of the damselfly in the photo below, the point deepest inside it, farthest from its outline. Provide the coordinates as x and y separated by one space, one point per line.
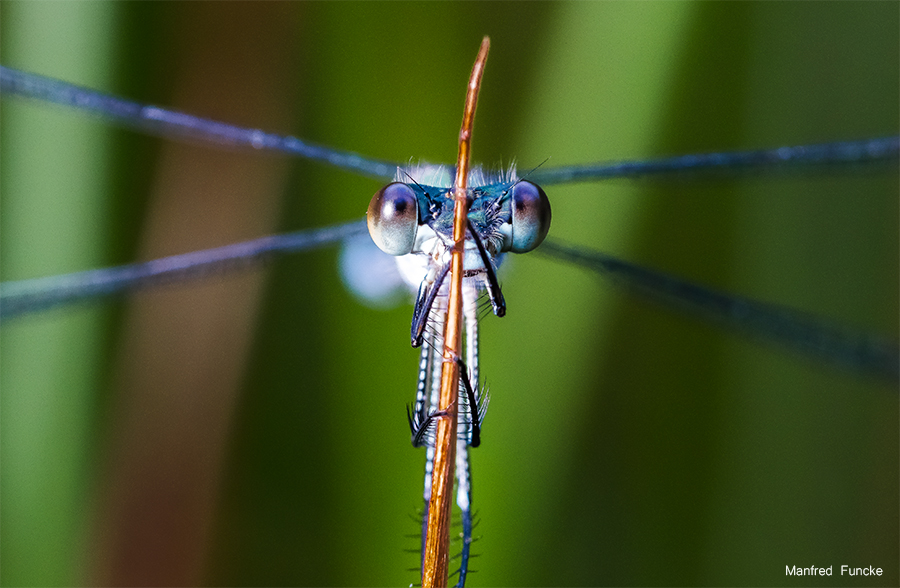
579 431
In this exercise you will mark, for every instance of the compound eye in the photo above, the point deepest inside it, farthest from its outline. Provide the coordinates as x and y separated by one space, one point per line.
393 218
530 216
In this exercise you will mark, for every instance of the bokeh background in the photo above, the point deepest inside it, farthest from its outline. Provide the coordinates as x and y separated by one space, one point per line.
250 430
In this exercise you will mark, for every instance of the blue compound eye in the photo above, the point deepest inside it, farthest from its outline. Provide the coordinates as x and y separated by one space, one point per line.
530 216
393 218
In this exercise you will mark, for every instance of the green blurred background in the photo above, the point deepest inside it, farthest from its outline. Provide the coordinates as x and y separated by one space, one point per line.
250 430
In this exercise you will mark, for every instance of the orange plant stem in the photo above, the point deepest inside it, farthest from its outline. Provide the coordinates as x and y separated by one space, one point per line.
435 570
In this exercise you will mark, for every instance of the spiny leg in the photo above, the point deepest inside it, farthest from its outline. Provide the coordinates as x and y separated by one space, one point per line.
463 467
471 410
427 397
470 423
420 419
471 415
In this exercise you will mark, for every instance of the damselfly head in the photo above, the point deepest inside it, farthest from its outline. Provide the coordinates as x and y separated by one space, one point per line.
515 213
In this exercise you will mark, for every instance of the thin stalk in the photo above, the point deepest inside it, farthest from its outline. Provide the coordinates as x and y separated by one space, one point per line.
435 570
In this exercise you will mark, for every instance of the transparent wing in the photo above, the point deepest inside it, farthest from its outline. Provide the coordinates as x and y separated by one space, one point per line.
27 296
796 330
839 153
791 328
160 121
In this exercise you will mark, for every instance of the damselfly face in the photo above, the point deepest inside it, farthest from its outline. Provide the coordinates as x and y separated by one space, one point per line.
252 429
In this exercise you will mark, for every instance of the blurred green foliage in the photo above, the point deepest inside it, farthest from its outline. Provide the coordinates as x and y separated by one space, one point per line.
625 445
